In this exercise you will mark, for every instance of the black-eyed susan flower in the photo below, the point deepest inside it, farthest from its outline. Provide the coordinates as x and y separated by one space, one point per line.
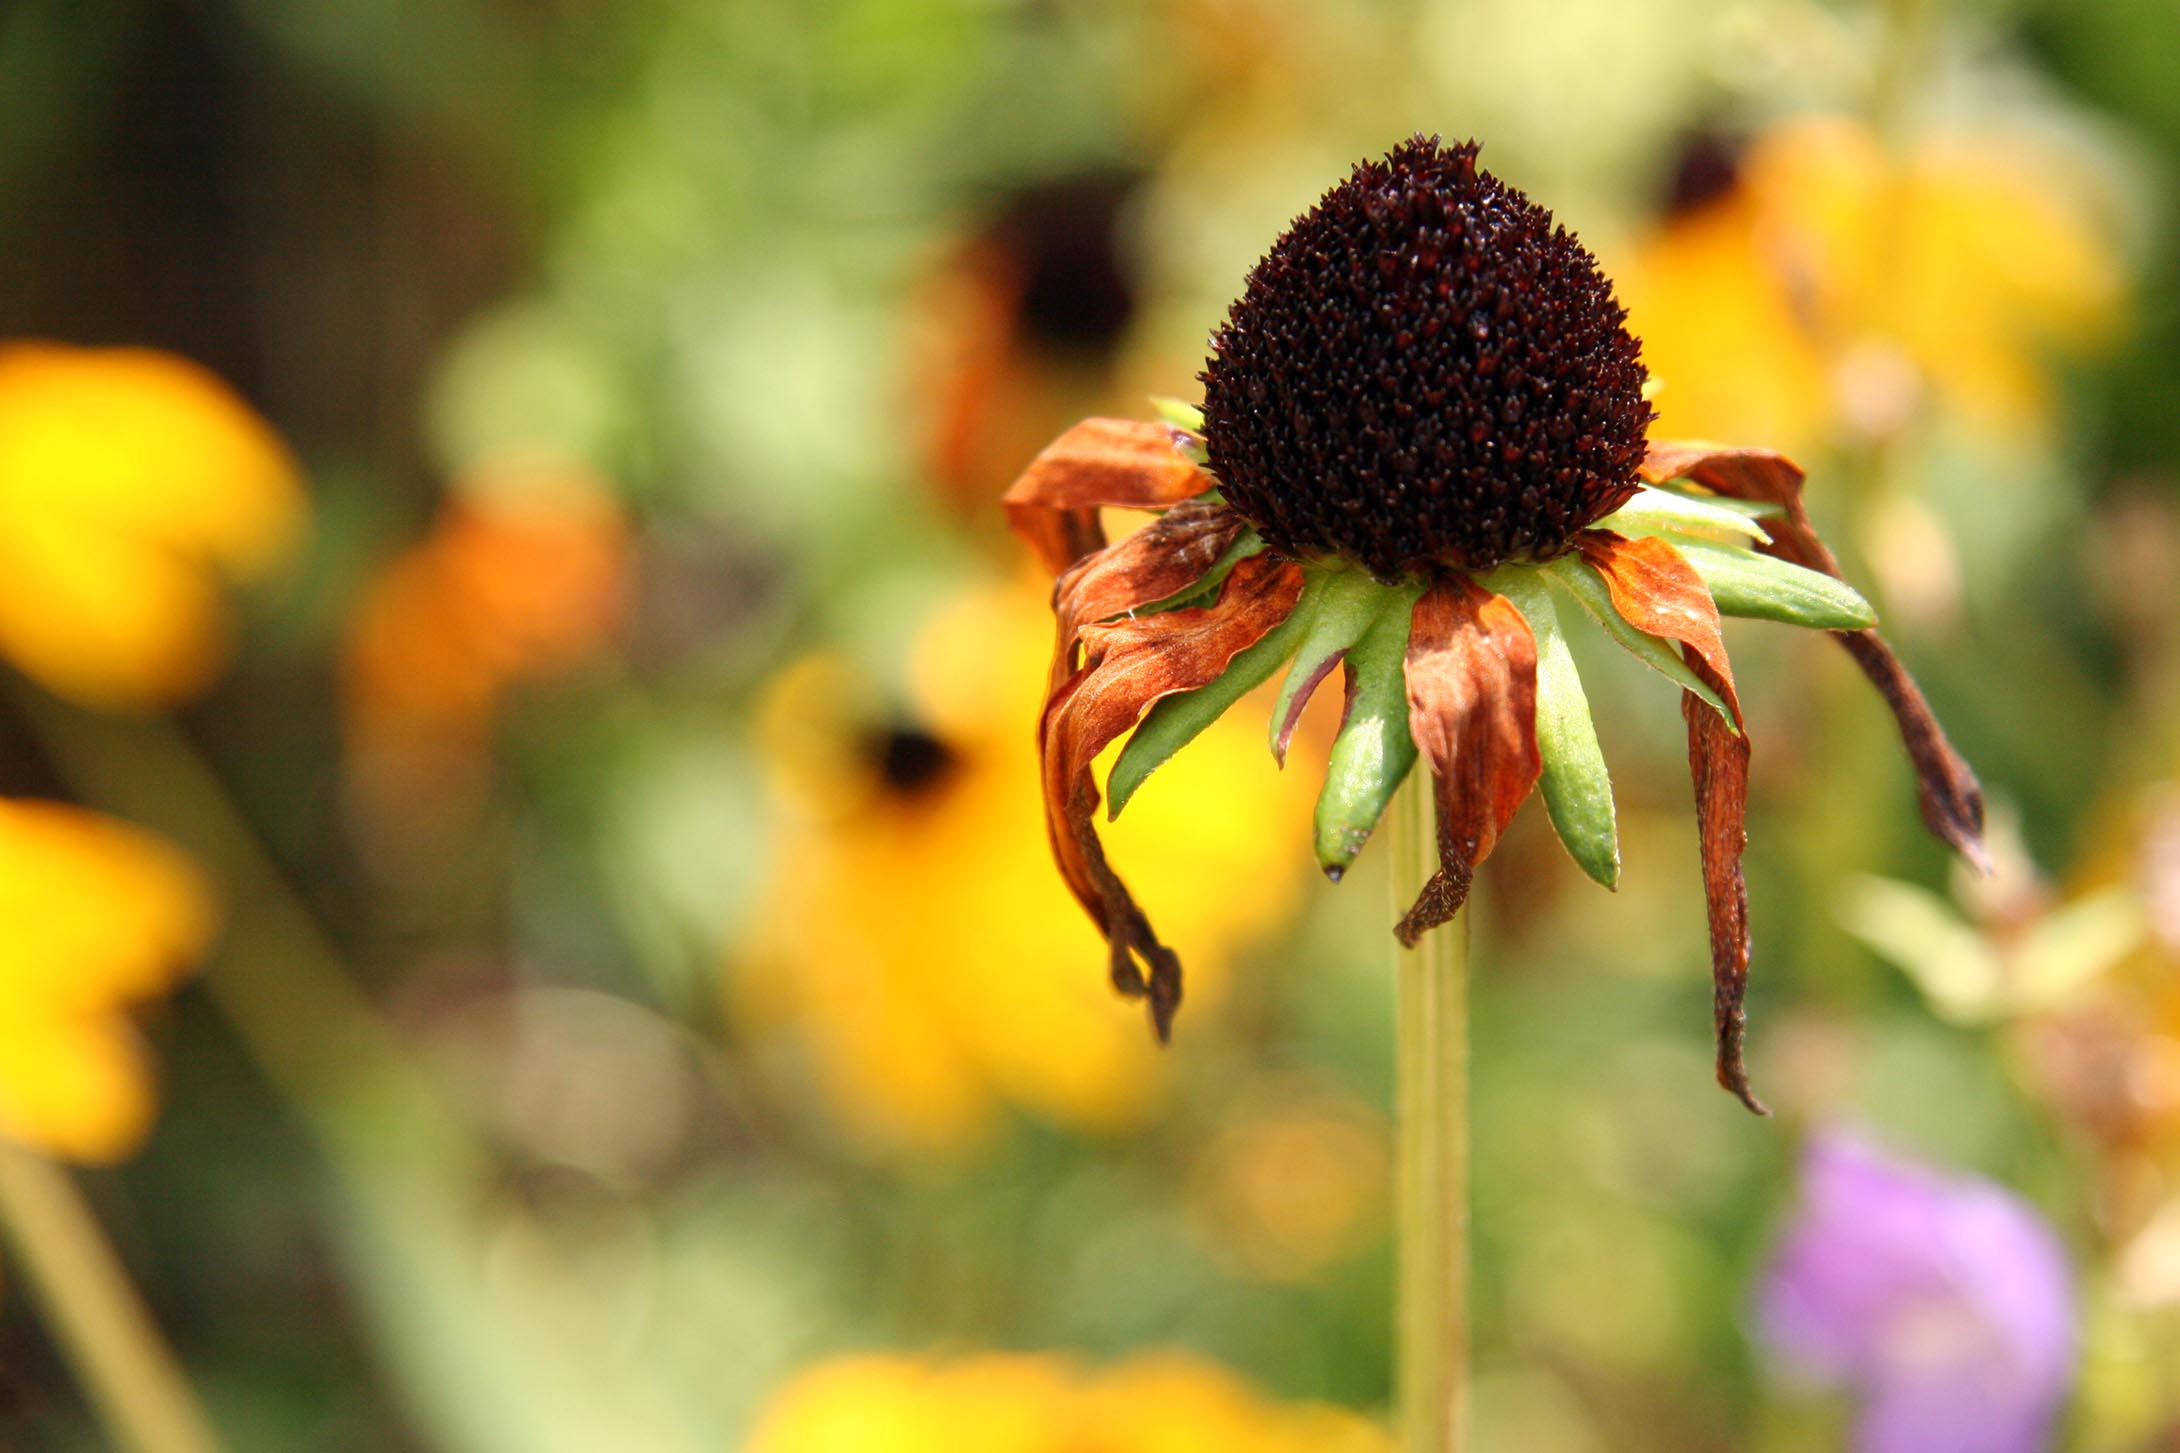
131 483
1021 327
920 1005
1422 456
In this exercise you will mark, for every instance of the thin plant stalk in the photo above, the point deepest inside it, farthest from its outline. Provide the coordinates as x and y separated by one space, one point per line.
99 1322
1433 1159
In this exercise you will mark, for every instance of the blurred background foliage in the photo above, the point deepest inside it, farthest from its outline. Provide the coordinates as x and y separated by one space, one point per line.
632 1008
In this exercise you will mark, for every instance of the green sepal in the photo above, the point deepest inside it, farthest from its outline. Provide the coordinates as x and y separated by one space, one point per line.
1664 512
1189 419
1374 751
1581 583
1763 588
1577 787
1179 413
1755 509
1247 543
1342 605
1176 720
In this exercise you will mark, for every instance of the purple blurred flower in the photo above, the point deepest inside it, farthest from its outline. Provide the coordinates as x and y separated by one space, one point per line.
1944 1302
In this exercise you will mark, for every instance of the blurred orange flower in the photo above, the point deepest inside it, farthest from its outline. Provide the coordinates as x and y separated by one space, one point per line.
129 481
1153 1403
1021 328
915 947
1291 1181
1834 287
94 916
521 577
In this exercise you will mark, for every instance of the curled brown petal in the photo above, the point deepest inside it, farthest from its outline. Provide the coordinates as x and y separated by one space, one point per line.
1657 591
1158 561
1128 665
1718 763
1124 463
1472 708
1950 797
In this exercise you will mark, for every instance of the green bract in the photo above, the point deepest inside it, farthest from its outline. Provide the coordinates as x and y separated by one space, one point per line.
1661 512
1577 789
1180 414
1350 620
1744 583
1582 584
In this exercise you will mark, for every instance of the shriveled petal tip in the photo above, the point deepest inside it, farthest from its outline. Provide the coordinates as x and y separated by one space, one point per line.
1718 763
1123 463
1472 708
1951 798
1128 665
1945 786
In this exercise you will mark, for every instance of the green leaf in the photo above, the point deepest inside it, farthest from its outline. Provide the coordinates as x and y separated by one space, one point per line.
1373 752
1179 413
1176 720
1577 788
1759 587
1660 512
1343 604
1581 582
1247 543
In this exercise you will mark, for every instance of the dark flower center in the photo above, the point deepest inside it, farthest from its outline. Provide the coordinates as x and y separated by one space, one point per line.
1425 370
1705 169
1078 283
910 761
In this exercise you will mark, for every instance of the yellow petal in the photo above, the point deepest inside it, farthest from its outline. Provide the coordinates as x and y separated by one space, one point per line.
146 444
93 913
1719 329
107 619
73 1084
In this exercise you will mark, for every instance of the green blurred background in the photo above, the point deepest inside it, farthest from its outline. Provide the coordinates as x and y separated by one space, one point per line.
641 983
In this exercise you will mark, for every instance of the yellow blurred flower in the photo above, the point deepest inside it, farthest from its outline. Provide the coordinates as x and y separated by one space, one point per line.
130 480
1153 1403
94 917
1835 288
916 948
521 577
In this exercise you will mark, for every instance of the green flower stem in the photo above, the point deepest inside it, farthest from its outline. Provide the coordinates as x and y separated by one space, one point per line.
103 1329
1432 1074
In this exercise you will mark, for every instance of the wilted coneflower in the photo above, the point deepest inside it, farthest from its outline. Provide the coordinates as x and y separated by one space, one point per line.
1423 434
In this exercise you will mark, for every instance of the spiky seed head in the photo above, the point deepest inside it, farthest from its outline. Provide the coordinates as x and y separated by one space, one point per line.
1425 369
